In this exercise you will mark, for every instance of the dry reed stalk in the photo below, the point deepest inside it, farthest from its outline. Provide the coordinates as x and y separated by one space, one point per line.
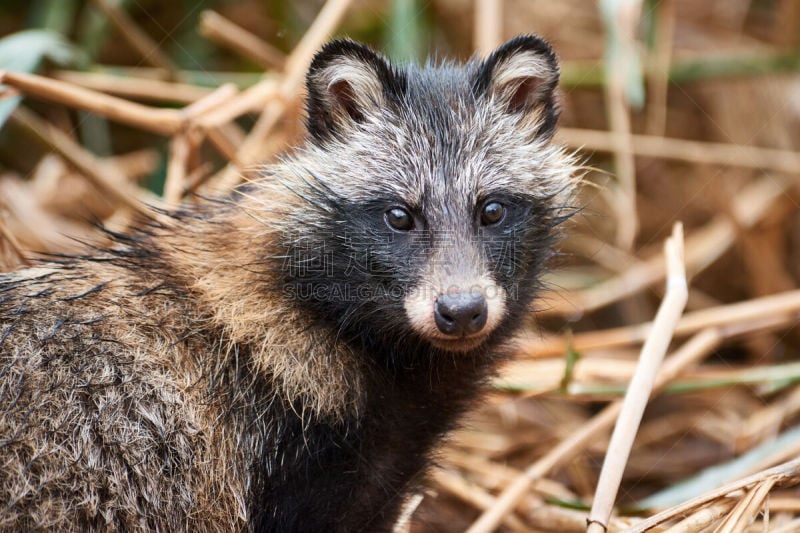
177 169
102 175
488 25
162 121
641 386
785 503
688 354
727 154
251 99
747 509
403 524
297 63
493 475
225 33
135 88
210 102
137 164
704 246
141 42
658 72
732 319
786 474
703 518
473 495
555 519
617 74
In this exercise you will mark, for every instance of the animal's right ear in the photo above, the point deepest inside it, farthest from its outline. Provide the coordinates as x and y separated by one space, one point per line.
346 82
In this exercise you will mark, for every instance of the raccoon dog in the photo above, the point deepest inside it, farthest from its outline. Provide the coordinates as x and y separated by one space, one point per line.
285 358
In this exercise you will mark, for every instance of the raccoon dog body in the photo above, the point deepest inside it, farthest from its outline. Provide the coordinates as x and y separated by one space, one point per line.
285 359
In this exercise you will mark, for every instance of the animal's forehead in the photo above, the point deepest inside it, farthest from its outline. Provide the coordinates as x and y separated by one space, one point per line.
436 80
439 93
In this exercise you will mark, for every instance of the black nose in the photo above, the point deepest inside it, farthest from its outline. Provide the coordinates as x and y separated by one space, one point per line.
460 313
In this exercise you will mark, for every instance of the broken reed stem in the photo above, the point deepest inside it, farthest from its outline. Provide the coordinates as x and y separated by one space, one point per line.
141 42
488 25
727 154
225 33
688 354
784 474
163 121
641 384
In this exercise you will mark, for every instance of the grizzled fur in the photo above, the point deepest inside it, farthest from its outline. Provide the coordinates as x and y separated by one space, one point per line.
270 361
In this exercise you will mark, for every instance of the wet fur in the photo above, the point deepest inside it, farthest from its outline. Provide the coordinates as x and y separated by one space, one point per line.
186 379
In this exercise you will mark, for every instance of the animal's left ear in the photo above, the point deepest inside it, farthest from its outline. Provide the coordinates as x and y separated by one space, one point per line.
521 76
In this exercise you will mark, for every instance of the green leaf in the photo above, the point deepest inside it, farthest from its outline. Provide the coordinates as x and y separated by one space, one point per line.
24 52
620 53
406 30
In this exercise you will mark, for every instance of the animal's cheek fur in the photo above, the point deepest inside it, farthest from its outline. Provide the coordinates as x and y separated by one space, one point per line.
420 300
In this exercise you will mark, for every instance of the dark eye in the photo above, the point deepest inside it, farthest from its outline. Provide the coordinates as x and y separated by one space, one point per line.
399 219
492 213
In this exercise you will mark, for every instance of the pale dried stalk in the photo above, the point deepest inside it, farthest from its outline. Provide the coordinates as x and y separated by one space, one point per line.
703 518
473 495
296 65
688 354
222 31
627 13
727 154
163 121
641 385
137 164
659 68
403 523
251 99
326 21
211 102
747 508
177 168
136 88
732 319
138 39
488 25
782 475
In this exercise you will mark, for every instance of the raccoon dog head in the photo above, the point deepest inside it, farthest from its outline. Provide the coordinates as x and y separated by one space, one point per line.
429 194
